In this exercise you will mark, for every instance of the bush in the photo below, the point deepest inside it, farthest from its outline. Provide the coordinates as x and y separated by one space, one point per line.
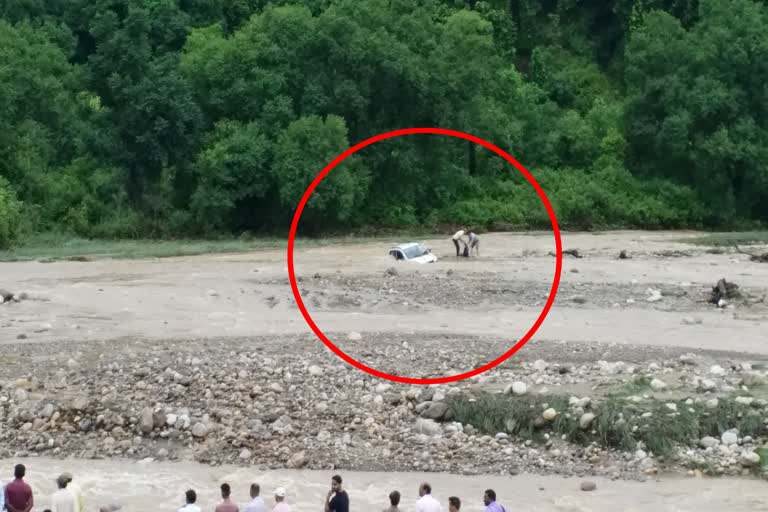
10 215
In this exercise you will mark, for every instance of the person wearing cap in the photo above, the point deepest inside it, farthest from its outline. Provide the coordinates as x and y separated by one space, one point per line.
63 500
72 486
280 504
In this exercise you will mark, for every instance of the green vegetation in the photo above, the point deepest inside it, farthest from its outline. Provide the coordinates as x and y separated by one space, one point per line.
50 247
731 239
164 119
618 423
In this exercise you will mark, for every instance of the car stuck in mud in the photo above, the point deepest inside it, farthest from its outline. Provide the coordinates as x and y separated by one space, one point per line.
412 252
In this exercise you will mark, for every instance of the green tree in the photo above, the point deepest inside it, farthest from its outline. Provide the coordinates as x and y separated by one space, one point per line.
236 185
10 214
304 149
696 104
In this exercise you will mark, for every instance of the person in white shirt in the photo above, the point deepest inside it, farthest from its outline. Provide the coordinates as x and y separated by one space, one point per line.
426 502
474 243
456 237
72 486
191 499
256 504
64 500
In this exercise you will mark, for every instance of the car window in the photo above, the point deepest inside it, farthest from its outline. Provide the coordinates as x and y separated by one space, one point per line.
414 252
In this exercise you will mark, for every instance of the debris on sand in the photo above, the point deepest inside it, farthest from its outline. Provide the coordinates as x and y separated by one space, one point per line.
653 295
78 258
760 258
724 290
624 256
5 296
570 252
391 271
673 254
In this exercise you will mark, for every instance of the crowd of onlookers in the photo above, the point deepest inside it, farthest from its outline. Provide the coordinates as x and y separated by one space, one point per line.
17 496
337 500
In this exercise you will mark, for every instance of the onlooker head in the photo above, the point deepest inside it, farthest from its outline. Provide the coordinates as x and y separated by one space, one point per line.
336 483
394 498
191 496
62 481
425 488
489 496
19 471
454 504
255 490
225 490
279 494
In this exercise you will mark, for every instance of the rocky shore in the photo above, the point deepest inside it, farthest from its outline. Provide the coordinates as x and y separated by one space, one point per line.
255 402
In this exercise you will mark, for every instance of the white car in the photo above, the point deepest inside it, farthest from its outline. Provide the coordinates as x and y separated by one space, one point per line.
412 252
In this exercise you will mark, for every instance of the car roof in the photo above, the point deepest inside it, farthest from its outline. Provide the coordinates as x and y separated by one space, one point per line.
406 246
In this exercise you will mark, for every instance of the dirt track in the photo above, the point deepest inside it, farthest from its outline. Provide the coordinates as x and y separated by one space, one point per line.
345 288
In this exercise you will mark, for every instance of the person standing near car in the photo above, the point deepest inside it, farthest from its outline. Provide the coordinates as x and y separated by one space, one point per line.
474 243
456 238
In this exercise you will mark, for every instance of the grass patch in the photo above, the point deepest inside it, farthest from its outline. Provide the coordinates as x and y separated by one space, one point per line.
52 247
708 468
618 423
636 386
730 239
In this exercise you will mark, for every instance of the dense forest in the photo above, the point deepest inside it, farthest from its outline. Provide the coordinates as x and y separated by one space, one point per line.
181 118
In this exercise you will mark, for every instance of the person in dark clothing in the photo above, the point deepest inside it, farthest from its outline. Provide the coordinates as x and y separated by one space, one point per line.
340 500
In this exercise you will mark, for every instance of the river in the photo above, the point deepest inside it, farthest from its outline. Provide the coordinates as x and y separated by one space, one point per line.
145 485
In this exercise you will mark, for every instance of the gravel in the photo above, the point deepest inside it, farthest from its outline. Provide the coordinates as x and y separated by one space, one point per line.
254 402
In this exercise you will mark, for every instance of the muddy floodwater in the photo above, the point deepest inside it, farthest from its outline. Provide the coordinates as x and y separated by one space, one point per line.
141 486
101 318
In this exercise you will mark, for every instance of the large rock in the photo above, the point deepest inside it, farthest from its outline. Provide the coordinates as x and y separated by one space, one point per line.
658 384
708 442
47 411
517 388
586 420
614 368
159 419
750 459
146 420
428 427
199 430
435 410
297 460
550 414
730 437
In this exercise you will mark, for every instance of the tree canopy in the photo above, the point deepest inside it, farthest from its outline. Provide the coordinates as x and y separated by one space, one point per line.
124 118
